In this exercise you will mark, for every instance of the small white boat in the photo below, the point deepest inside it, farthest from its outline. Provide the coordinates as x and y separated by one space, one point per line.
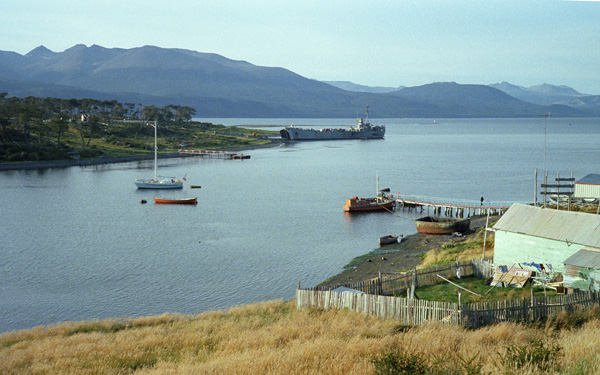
559 198
158 182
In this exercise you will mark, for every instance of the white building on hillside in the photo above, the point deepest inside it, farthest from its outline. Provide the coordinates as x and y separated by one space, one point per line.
527 234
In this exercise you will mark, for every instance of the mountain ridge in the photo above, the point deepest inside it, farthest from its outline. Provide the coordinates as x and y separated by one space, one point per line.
220 87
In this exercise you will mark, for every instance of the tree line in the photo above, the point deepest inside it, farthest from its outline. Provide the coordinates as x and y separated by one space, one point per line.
30 122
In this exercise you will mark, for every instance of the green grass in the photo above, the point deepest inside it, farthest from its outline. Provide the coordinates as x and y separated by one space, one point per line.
447 292
131 138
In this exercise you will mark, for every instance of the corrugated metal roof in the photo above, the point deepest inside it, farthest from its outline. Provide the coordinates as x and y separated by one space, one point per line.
573 227
591 178
584 258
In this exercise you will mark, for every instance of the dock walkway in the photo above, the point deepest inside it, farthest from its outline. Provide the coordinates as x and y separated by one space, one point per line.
215 154
460 208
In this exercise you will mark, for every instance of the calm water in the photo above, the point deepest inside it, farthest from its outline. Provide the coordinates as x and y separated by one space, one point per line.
77 244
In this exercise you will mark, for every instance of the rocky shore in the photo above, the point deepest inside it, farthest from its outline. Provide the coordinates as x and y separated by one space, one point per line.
404 256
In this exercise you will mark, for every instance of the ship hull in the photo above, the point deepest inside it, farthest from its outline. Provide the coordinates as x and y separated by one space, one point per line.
302 134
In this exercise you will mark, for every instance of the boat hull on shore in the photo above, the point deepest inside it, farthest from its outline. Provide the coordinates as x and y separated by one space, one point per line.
388 240
440 226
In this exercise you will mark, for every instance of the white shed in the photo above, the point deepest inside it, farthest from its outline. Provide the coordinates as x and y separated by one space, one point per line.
527 234
588 187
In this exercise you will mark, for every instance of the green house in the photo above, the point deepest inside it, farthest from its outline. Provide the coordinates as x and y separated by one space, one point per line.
527 234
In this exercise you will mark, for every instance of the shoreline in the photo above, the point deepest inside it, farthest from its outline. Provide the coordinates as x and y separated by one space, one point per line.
402 257
29 165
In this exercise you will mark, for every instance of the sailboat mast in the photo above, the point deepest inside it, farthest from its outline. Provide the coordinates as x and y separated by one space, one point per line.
155 153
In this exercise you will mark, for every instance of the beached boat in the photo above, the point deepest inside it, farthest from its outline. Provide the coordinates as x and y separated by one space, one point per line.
435 225
363 130
388 240
562 198
158 182
176 201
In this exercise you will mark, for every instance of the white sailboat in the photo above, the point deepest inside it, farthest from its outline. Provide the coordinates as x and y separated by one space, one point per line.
158 182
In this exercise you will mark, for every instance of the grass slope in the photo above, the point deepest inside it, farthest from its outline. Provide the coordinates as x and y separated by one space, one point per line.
275 338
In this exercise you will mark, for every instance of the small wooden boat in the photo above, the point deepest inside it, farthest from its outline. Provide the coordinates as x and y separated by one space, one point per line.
433 225
388 240
589 200
176 201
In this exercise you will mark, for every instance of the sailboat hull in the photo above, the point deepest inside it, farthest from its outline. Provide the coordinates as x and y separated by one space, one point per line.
159 184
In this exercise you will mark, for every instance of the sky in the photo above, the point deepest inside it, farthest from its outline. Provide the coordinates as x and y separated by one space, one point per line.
370 42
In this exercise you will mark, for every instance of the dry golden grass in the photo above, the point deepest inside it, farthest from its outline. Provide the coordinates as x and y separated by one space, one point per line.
275 338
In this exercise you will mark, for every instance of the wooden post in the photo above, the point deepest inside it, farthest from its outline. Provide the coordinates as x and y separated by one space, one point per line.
485 234
535 189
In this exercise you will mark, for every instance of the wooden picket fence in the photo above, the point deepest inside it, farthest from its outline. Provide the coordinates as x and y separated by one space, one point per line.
525 310
376 299
408 311
419 312
389 284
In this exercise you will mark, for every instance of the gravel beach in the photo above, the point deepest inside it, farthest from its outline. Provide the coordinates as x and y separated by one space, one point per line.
401 257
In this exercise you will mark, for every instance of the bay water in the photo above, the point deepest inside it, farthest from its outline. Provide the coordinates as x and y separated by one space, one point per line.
77 244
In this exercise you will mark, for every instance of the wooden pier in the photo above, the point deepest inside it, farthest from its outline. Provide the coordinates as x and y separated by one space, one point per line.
214 154
449 209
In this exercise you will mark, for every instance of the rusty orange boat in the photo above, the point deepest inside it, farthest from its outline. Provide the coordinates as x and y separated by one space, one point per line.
381 202
176 201
357 204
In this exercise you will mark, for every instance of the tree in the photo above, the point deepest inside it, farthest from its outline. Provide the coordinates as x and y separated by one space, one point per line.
59 125
87 128
5 113
181 113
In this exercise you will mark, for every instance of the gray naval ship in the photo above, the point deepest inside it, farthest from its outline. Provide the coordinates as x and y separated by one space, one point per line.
363 130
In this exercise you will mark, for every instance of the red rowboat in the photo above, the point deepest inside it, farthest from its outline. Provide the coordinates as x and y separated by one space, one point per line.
176 201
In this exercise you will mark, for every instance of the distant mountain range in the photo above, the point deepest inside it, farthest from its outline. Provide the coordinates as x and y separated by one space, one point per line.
350 86
220 87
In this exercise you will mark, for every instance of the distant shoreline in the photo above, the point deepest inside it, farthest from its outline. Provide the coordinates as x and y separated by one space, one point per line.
27 165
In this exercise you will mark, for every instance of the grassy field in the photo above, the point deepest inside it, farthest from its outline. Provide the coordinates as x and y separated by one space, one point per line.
446 292
275 338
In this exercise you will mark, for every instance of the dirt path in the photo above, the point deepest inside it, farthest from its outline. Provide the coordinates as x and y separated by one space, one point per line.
401 257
